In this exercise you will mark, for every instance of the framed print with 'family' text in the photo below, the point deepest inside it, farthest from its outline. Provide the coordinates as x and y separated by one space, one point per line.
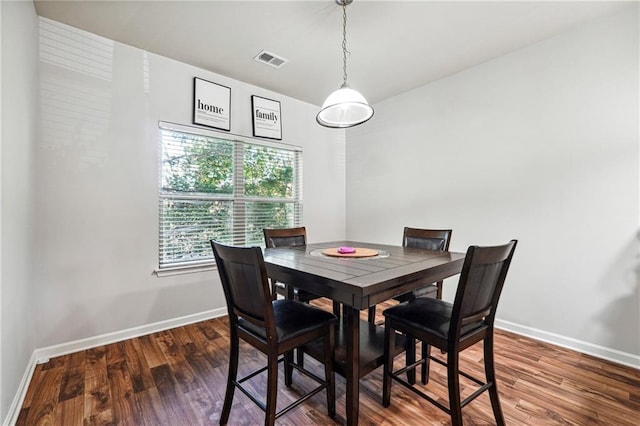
267 120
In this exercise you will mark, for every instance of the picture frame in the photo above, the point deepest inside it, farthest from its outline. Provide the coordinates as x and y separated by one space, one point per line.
267 118
211 104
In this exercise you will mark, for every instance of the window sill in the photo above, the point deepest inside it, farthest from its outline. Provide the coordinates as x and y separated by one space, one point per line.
184 269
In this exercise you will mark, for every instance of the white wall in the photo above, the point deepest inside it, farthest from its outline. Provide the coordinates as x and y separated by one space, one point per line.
539 145
97 184
19 130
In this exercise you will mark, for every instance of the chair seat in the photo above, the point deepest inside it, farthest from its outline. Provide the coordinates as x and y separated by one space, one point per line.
298 294
428 291
292 319
428 315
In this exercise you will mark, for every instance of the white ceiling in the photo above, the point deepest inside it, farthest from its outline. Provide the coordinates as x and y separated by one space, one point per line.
395 45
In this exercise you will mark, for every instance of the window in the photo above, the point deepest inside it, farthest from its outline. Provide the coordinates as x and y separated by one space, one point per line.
223 187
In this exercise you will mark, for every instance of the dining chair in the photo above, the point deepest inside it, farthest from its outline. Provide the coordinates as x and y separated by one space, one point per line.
274 327
288 237
453 328
426 239
291 237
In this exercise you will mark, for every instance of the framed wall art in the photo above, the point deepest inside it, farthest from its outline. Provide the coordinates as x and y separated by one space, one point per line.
211 104
267 120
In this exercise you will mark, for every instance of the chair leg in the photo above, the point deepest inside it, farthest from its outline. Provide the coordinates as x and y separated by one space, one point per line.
231 376
288 369
426 352
300 357
272 389
371 316
329 375
410 357
454 388
389 343
489 368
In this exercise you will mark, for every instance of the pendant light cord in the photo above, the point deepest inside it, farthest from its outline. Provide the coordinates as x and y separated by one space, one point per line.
344 44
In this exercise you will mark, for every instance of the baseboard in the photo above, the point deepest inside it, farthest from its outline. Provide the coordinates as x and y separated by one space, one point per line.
614 355
44 354
16 404
117 336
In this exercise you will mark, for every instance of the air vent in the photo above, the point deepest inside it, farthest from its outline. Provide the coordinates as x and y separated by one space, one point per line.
270 59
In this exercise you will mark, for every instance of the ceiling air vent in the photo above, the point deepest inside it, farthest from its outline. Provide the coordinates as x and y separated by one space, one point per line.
270 59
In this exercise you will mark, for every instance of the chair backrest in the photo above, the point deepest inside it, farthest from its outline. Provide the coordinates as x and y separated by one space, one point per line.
285 237
480 286
245 283
428 239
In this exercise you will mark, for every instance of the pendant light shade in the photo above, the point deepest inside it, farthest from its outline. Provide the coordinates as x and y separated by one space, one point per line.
345 107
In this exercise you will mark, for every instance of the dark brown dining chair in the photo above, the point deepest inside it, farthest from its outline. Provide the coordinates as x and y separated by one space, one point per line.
454 327
426 239
291 237
275 327
288 237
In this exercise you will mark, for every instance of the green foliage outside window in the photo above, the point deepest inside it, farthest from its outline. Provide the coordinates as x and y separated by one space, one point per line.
220 189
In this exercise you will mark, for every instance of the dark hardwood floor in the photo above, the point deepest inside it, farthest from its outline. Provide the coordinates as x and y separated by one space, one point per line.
178 376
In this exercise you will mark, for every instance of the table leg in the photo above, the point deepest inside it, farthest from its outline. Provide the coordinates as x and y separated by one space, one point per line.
352 319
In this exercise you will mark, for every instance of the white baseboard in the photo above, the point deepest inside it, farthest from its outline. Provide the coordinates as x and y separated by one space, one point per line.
614 355
44 354
16 404
117 336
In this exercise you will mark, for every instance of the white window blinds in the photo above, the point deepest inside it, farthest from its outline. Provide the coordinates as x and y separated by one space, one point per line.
222 187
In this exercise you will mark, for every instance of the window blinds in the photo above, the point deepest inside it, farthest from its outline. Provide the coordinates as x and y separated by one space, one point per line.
222 187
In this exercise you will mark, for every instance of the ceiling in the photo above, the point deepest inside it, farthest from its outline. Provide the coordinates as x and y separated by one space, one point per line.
395 45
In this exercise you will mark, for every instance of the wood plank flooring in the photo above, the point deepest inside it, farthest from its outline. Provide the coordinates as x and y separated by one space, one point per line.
177 377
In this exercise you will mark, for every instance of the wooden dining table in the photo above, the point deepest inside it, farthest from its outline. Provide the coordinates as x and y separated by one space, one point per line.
358 283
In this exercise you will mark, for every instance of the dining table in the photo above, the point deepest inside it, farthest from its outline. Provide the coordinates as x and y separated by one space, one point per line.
357 280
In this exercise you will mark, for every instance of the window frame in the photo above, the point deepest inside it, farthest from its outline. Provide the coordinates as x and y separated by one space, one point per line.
237 197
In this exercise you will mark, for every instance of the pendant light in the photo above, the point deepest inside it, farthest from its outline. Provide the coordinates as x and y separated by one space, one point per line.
345 107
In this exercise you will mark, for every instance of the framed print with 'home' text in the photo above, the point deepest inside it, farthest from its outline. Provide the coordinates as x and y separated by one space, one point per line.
211 104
